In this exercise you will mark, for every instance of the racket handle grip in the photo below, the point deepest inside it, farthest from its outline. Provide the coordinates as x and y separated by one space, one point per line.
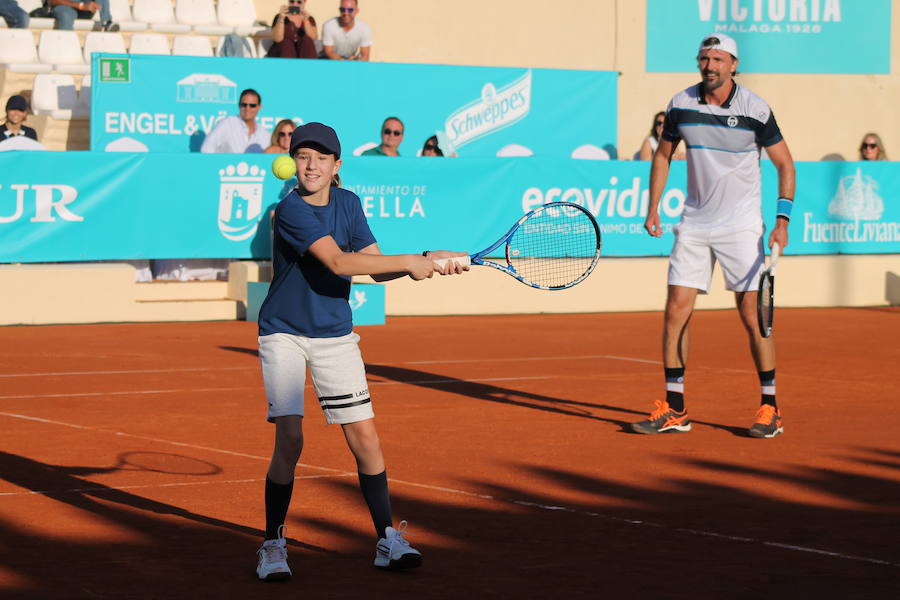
465 261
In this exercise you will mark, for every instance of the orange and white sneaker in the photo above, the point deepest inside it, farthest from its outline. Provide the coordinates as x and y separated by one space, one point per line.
768 422
663 420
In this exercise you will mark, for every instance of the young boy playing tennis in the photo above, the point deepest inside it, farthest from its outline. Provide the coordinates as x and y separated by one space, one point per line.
321 239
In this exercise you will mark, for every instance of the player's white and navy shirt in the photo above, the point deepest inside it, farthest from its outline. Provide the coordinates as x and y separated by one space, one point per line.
723 149
306 298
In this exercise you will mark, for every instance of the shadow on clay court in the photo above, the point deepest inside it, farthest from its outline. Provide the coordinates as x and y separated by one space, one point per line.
536 532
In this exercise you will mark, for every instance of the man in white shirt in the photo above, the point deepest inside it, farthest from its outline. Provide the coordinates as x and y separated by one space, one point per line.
239 134
346 37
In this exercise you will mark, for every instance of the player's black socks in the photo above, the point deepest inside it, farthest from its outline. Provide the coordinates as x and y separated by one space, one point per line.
767 387
375 491
278 498
675 388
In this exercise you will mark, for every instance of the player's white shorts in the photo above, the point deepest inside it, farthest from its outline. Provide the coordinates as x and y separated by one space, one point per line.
695 253
337 371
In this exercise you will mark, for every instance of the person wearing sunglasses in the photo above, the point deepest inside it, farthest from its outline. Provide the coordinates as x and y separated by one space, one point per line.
345 37
431 147
294 32
281 137
391 137
871 148
239 134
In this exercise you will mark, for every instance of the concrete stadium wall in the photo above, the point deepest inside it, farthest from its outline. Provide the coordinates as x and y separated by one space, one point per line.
819 114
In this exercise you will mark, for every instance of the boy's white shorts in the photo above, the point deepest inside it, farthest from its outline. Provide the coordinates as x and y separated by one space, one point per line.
337 371
695 253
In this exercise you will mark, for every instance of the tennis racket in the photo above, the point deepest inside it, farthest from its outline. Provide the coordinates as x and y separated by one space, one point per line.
765 300
553 247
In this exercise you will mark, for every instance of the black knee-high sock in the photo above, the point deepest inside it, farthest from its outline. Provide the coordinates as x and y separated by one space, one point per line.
767 387
278 498
675 388
375 491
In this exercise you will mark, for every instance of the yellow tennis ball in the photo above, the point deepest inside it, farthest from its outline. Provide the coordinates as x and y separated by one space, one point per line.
284 167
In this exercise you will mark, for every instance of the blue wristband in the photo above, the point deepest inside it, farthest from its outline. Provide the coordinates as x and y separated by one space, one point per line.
784 208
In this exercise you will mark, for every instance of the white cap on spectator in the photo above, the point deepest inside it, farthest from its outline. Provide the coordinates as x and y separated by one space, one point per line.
719 41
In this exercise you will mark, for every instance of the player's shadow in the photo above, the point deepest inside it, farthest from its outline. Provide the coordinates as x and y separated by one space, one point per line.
250 351
500 395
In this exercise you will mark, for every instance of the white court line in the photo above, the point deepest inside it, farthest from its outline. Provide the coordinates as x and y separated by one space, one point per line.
525 503
256 367
110 488
232 389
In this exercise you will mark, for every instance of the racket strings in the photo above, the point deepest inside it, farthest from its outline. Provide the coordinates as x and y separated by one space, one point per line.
554 248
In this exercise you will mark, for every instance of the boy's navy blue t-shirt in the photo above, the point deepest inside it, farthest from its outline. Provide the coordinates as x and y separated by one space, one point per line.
305 297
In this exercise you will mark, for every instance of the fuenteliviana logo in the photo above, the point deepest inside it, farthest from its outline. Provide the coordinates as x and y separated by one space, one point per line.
493 111
358 299
240 200
856 199
206 87
859 207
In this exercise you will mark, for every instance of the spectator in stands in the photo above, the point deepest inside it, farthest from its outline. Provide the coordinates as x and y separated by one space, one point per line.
871 148
239 134
66 11
281 137
346 37
12 13
431 147
294 33
652 141
391 138
16 109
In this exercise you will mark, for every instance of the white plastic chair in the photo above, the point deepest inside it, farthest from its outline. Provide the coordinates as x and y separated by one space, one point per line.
191 45
62 50
20 142
249 47
201 15
159 14
121 16
515 150
54 94
367 146
240 14
262 48
126 144
590 152
150 43
100 41
18 53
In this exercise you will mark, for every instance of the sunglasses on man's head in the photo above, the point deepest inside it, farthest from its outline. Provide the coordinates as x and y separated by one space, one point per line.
392 131
349 11
870 145
249 104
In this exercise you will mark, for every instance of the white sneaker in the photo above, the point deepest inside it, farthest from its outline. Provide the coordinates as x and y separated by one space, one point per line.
394 552
273 559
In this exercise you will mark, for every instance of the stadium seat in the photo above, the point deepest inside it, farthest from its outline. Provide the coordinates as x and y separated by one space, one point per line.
191 45
240 14
367 146
262 48
35 22
20 142
515 150
84 95
18 54
54 94
249 47
590 152
150 43
121 16
126 144
62 50
97 41
201 15
159 14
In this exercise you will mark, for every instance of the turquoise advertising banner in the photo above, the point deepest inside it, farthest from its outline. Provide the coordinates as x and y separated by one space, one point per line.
170 103
104 206
773 36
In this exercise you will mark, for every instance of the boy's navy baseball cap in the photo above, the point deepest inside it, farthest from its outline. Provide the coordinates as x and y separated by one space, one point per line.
17 103
316 135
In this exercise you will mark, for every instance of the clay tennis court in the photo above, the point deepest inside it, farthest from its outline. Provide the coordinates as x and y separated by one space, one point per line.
132 460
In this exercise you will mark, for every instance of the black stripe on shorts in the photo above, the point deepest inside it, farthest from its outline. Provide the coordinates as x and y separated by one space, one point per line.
326 399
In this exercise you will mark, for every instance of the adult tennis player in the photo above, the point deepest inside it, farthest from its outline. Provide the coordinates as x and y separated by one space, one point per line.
321 239
724 126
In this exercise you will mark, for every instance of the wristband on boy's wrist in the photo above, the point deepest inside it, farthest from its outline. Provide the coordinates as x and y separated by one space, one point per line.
784 209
